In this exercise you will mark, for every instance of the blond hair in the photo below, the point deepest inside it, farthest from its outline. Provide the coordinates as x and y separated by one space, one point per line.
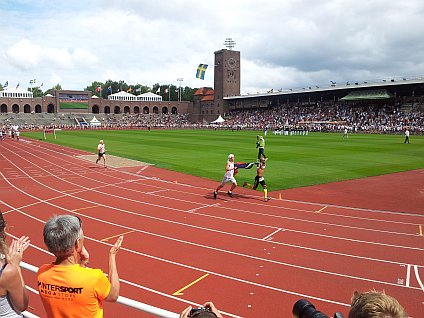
375 304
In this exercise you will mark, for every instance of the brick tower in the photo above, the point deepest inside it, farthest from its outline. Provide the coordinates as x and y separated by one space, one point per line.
226 76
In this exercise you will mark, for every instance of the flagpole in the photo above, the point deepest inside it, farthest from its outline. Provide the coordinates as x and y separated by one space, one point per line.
169 92
179 89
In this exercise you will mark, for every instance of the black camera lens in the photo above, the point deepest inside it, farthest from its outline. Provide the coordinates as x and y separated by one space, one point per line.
201 312
304 309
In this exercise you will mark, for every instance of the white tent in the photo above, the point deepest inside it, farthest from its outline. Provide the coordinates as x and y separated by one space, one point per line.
219 120
95 122
16 93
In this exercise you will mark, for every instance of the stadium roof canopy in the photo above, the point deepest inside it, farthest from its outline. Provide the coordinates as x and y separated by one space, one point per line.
122 94
149 94
342 88
367 95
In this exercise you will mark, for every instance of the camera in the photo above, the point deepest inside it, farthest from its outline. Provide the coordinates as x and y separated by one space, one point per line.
201 312
304 309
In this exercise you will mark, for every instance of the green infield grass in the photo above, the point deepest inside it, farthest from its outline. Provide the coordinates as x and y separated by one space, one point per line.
294 161
73 105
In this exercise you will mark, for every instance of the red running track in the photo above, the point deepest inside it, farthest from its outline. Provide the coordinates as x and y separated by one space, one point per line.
251 258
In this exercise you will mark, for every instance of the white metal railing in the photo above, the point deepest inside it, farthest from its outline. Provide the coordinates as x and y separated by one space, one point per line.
159 312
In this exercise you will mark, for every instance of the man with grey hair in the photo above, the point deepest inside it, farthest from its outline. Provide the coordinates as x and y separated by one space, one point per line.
67 287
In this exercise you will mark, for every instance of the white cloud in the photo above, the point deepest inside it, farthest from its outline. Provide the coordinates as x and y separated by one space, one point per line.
26 55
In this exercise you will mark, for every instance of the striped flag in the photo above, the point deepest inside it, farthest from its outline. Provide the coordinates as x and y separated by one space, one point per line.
201 69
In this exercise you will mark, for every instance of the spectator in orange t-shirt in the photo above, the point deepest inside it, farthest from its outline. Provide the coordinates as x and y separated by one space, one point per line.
67 287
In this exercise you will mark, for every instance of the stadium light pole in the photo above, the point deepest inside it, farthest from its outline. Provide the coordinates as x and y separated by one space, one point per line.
180 79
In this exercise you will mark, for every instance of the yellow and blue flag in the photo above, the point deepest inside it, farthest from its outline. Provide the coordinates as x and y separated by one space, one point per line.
201 71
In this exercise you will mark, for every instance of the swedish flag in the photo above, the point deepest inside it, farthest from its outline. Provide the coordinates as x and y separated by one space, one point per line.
201 71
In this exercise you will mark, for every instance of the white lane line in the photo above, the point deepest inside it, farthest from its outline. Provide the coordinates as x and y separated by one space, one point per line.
268 236
408 275
417 276
208 229
252 257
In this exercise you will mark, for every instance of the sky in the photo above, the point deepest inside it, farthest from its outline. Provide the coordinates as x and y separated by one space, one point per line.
283 44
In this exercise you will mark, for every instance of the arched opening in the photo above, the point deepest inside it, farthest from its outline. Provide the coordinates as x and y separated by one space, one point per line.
3 108
155 110
174 111
15 108
117 110
107 110
126 109
38 109
50 108
27 108
136 110
164 110
145 110
95 109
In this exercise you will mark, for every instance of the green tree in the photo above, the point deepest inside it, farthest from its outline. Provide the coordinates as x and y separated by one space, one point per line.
36 91
50 91
139 89
187 93
95 88
114 86
123 87
156 89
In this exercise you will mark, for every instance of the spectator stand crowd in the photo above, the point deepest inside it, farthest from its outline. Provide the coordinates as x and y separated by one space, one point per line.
331 117
294 118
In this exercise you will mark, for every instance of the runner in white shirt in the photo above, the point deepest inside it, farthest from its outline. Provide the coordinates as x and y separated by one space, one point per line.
406 136
228 177
345 135
101 152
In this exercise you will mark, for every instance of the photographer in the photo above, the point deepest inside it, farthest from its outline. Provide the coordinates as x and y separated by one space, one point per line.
207 311
371 304
374 304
